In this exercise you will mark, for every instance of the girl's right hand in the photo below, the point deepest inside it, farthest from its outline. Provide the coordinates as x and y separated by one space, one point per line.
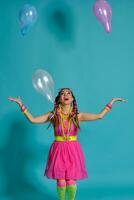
17 100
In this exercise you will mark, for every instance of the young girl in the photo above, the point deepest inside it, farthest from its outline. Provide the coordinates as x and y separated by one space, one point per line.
65 161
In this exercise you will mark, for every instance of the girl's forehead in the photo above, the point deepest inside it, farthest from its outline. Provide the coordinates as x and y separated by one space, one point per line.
65 90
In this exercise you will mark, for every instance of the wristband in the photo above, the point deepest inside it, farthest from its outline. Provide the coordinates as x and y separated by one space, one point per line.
109 105
23 108
106 108
25 111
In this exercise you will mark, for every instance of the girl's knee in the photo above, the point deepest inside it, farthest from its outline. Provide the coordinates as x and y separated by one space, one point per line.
61 182
70 181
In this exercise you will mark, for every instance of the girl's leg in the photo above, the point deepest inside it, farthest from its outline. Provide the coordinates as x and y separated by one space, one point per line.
71 188
61 189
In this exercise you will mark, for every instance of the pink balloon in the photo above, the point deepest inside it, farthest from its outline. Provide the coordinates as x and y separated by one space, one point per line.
103 12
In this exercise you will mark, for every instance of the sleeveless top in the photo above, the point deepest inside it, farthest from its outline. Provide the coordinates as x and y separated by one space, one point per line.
58 130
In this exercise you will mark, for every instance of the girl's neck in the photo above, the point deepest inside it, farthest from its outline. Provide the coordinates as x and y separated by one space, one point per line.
66 109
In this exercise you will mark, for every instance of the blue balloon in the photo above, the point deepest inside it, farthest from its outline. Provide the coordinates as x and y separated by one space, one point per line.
27 18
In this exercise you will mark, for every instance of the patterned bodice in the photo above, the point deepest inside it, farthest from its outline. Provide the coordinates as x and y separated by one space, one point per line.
58 130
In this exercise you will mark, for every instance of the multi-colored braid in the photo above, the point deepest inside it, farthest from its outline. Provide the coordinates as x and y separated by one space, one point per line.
53 118
75 113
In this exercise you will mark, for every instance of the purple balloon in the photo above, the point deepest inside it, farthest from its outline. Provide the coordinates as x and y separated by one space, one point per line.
103 12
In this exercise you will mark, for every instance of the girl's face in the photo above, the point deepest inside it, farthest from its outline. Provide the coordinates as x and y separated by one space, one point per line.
66 97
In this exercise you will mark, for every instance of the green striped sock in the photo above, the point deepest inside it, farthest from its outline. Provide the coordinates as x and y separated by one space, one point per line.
61 192
71 189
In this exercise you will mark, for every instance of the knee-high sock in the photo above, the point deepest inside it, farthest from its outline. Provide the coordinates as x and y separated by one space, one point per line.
71 189
61 190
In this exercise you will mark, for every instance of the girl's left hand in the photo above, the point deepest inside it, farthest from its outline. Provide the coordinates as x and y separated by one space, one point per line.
118 99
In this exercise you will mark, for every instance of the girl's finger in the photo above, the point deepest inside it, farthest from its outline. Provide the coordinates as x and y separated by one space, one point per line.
9 98
124 100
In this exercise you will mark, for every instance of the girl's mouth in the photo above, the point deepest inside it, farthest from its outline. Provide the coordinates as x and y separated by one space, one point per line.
66 99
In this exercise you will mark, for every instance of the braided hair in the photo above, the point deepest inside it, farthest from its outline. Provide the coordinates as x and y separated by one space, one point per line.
54 118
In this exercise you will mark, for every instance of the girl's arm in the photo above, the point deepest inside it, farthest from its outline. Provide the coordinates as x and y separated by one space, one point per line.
39 119
89 116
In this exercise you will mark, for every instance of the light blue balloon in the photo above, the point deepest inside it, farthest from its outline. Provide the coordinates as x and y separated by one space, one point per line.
27 18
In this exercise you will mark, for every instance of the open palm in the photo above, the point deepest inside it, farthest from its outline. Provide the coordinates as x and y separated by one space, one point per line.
17 100
119 99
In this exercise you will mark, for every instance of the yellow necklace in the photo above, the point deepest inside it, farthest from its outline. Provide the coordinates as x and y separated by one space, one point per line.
64 117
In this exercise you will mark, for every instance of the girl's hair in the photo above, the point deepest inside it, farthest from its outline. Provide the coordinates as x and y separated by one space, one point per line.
74 114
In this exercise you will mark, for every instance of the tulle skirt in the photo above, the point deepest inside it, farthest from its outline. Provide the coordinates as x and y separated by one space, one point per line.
66 161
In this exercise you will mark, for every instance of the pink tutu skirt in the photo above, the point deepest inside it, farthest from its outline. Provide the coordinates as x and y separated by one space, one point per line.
66 161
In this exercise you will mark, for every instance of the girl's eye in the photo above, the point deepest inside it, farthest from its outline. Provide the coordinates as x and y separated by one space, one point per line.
69 93
63 93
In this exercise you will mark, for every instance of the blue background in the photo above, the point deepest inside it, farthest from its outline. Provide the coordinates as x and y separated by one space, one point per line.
68 42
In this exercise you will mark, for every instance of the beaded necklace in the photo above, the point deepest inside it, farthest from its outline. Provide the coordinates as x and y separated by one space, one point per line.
63 119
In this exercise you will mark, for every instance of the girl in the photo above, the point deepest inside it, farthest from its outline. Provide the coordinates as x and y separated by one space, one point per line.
65 161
